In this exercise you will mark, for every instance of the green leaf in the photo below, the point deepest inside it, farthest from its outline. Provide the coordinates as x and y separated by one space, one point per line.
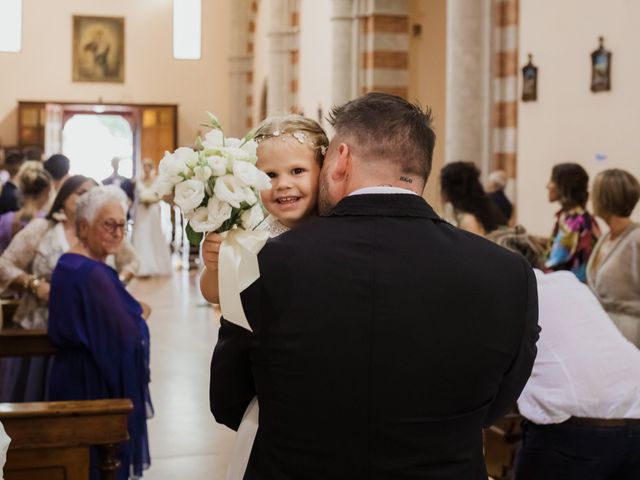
194 237
198 143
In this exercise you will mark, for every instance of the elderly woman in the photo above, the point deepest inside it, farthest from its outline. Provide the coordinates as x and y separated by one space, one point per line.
613 271
98 327
576 231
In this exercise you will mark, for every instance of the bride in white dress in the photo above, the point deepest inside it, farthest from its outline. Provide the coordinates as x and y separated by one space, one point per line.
149 240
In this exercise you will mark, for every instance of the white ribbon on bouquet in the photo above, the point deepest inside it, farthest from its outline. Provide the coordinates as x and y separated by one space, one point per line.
237 269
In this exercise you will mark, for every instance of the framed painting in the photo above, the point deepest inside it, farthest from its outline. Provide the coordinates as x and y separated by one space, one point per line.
98 49
600 69
529 81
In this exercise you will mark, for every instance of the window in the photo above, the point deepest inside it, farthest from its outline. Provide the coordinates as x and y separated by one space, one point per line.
187 26
10 25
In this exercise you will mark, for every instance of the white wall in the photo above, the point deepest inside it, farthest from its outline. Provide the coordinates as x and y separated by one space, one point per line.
569 123
315 58
42 70
261 56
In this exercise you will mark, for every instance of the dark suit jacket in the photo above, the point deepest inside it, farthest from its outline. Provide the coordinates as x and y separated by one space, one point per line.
9 198
384 340
125 184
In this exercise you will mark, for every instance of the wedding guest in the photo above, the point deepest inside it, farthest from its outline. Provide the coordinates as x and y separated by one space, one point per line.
581 401
497 183
118 180
26 265
467 205
575 232
58 166
613 271
35 184
10 195
149 240
4 446
98 328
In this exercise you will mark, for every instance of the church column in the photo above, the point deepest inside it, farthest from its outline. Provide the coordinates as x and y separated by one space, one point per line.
342 24
468 99
505 83
283 57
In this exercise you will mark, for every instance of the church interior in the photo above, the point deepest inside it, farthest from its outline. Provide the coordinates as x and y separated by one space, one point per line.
514 86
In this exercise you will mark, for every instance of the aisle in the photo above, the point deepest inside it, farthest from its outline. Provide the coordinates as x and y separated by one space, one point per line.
185 440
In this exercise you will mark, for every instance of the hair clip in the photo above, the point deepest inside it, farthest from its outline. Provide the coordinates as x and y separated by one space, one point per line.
323 149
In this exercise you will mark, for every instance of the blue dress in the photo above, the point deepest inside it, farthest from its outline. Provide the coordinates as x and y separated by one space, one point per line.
103 349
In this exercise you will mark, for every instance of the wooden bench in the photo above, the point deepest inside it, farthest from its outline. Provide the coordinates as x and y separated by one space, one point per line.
51 440
16 342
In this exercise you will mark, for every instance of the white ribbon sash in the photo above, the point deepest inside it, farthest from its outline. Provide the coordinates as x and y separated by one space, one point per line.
237 269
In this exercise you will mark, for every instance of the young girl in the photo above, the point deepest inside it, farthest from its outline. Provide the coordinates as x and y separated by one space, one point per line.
290 150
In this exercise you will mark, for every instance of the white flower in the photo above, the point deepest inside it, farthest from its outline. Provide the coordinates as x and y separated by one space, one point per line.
219 212
218 165
163 186
263 181
200 222
189 195
174 164
251 147
202 173
213 139
249 196
246 173
229 190
235 153
251 218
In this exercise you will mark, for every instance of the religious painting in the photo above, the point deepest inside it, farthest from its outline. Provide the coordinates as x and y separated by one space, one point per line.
98 49
601 69
529 81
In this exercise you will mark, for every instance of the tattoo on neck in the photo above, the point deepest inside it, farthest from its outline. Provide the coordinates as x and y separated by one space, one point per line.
406 179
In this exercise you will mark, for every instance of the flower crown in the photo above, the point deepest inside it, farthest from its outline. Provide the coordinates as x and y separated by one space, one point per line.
301 137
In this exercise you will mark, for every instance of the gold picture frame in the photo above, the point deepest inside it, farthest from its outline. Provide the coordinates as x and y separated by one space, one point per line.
98 49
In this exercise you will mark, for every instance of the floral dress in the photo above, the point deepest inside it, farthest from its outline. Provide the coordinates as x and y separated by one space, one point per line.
574 237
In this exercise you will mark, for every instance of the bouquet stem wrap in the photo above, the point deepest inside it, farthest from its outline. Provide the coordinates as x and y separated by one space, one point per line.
237 269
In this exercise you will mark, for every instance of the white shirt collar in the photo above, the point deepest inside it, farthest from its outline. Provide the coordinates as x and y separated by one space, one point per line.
382 190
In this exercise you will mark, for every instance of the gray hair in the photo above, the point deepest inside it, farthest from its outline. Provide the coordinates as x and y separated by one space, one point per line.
91 202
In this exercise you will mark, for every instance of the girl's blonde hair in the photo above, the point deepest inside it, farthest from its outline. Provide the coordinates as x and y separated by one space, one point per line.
32 179
303 129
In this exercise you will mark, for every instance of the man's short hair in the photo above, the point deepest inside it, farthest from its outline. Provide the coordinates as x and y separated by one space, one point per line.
58 166
615 192
388 127
13 162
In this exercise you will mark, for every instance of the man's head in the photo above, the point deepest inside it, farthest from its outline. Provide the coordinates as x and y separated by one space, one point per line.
58 166
115 164
379 139
13 162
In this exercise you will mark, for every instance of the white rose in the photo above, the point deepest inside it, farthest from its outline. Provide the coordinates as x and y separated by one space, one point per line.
251 218
163 186
251 148
246 173
263 181
229 190
202 173
249 196
172 164
213 139
218 165
235 153
189 195
200 221
219 212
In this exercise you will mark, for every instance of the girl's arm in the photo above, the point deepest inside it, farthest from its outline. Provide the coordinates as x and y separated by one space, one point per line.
209 277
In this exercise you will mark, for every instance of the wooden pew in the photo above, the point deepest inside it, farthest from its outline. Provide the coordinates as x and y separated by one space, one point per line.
501 444
51 440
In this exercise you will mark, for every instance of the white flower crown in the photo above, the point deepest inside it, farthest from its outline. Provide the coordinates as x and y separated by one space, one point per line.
298 135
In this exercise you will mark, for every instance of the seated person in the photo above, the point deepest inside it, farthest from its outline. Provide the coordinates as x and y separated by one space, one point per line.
98 327
582 401
10 195
58 166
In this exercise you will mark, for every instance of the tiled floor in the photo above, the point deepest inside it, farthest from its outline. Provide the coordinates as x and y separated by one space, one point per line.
184 438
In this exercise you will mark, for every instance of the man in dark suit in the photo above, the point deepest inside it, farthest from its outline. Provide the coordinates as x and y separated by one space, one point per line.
384 338
10 196
119 181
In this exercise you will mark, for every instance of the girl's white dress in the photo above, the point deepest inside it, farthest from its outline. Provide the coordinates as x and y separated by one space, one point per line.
149 241
249 425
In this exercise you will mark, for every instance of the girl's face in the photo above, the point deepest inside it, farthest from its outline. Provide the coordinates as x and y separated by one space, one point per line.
70 203
552 189
294 173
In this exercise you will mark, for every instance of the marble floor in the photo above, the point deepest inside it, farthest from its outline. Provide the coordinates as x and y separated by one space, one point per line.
185 441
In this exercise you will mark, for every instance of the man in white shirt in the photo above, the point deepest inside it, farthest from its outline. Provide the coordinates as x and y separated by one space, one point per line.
582 401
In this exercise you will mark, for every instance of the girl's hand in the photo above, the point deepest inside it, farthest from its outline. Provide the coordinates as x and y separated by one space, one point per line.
211 250
42 292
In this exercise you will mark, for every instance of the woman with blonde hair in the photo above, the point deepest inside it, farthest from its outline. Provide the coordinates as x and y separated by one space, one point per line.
34 183
613 271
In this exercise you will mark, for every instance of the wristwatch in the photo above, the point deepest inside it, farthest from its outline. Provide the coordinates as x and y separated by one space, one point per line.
34 284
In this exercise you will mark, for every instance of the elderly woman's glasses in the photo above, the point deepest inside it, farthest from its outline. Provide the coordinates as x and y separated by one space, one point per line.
113 227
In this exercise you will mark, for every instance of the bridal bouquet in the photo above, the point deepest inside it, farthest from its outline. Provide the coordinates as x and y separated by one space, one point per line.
217 187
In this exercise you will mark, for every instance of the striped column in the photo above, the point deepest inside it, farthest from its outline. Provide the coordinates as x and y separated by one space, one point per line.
384 47
505 87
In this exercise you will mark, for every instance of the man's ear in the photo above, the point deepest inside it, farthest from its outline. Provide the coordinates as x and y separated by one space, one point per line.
342 169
